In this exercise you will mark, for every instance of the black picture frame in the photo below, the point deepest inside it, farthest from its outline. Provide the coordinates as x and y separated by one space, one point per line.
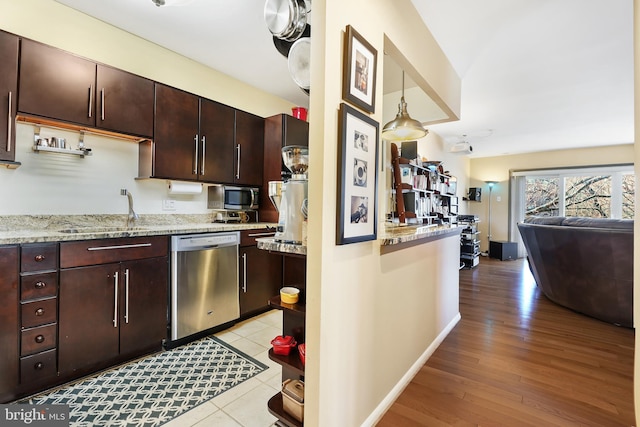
357 204
359 71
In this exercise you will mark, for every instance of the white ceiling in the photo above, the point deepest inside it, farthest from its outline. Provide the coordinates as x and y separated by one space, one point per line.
536 74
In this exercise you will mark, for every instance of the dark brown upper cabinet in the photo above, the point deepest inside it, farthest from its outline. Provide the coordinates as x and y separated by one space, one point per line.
8 94
58 85
279 131
249 149
193 137
198 139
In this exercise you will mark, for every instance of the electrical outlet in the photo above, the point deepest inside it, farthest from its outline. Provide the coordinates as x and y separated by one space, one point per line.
168 205
498 199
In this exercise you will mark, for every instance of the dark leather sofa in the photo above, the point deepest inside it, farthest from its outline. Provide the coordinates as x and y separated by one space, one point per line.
585 264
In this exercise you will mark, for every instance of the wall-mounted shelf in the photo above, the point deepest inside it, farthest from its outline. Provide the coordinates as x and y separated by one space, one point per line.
81 153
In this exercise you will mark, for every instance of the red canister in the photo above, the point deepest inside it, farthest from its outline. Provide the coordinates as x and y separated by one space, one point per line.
282 344
299 113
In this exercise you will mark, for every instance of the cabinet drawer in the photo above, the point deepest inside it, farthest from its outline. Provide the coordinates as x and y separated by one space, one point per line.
39 257
37 286
248 237
106 251
38 366
39 312
38 339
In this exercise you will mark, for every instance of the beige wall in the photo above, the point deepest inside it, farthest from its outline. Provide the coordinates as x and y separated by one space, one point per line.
371 318
497 169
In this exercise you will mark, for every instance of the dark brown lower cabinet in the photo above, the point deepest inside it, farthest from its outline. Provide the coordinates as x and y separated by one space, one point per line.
9 321
260 279
111 311
260 275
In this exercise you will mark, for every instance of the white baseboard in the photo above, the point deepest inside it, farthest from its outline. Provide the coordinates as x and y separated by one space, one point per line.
396 391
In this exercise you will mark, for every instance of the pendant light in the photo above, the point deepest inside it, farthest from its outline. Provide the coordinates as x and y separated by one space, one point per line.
403 127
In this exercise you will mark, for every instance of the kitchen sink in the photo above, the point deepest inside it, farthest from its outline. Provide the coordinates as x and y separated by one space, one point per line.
90 230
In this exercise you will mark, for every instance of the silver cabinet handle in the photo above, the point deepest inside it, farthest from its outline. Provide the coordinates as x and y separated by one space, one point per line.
106 248
90 99
244 268
115 297
102 104
195 158
126 296
238 170
204 147
9 125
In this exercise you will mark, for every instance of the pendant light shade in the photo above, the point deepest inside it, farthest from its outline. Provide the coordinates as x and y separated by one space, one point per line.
403 127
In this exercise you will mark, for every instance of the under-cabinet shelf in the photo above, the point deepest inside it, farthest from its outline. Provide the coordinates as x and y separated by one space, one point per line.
276 409
291 361
81 153
276 302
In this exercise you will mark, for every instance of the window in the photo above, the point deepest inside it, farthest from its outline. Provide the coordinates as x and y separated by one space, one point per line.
592 193
541 196
596 192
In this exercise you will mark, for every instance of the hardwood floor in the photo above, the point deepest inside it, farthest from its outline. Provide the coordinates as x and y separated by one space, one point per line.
518 359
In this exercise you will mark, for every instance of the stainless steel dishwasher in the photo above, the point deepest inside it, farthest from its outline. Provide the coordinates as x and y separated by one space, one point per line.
204 282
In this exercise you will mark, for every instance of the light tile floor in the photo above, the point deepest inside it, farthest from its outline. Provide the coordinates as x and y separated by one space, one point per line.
245 404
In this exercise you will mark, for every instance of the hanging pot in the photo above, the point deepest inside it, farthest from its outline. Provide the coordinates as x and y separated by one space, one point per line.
286 19
299 62
284 46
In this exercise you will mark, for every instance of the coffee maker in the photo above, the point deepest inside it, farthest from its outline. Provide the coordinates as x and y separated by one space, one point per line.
293 203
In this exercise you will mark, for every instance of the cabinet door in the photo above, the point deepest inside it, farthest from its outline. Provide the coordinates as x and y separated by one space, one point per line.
143 302
217 139
260 278
176 134
8 94
125 102
88 320
249 148
56 84
9 321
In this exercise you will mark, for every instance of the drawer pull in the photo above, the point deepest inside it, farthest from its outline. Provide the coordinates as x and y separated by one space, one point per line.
269 233
38 366
39 312
106 248
40 285
39 339
39 258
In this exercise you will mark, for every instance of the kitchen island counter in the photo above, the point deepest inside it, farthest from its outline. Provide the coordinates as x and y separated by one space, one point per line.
270 244
392 236
20 229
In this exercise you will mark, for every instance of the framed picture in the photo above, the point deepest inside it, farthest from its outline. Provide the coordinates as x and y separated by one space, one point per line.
358 180
359 73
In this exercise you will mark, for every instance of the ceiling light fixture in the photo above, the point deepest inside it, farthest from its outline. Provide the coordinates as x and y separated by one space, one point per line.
403 127
171 2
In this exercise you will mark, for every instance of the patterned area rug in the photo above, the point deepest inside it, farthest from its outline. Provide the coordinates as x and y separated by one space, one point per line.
152 391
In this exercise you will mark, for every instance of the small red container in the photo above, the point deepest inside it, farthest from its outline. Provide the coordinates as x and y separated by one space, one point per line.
302 350
282 345
299 113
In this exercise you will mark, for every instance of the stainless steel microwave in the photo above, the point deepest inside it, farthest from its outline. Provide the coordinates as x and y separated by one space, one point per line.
233 198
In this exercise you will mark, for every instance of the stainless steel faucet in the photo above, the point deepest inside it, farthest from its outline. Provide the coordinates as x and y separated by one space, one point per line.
133 216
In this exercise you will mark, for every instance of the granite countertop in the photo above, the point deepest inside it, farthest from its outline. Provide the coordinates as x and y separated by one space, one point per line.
15 229
395 234
270 244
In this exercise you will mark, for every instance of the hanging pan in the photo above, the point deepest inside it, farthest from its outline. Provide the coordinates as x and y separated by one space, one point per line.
286 19
299 62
